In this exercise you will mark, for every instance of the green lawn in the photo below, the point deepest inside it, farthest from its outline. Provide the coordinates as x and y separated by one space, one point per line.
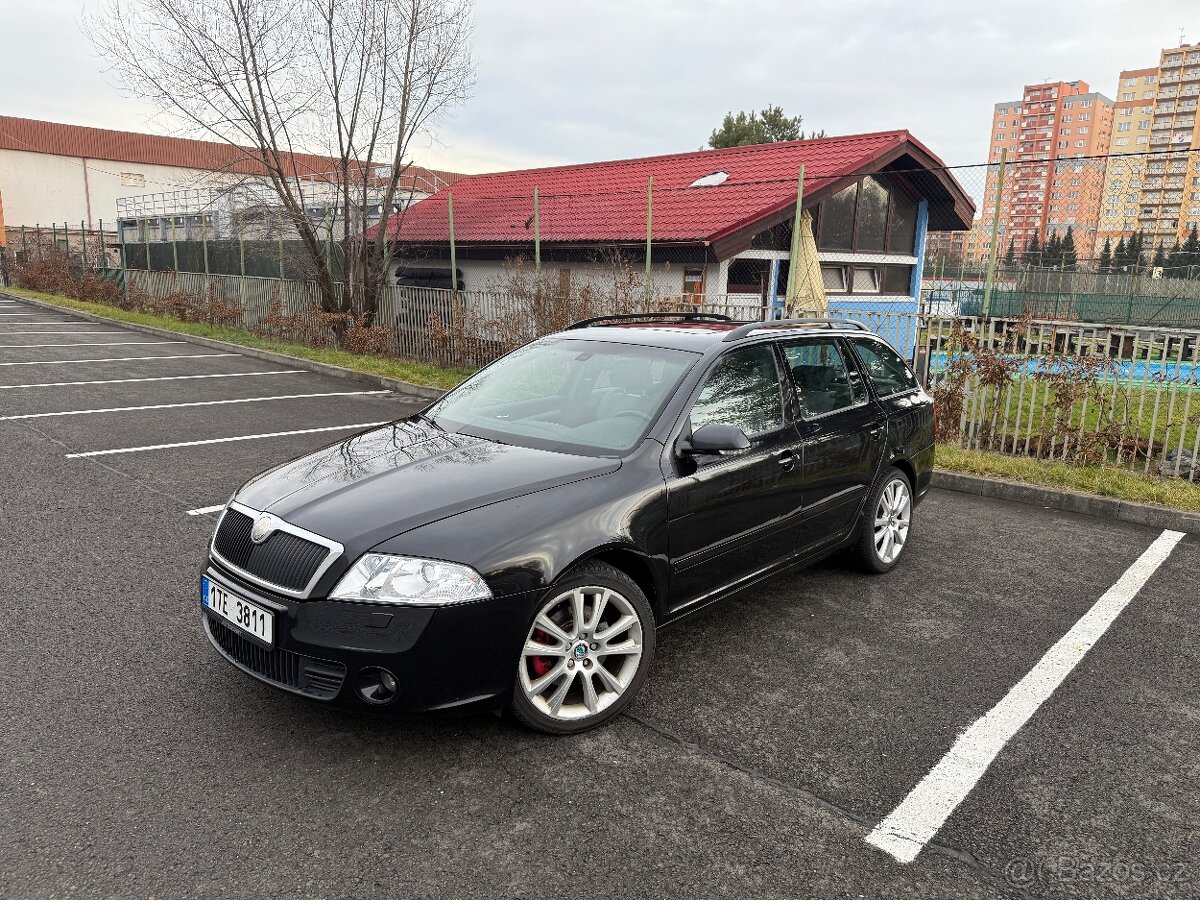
1105 481
402 370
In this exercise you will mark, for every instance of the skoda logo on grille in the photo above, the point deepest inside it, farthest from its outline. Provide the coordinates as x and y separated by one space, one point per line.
264 527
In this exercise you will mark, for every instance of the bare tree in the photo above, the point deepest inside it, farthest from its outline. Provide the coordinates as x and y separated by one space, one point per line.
352 80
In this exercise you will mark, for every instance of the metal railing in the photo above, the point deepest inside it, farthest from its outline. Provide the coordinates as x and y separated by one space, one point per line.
1069 391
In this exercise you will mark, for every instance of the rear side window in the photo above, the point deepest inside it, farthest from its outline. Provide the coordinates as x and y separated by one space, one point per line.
887 371
742 390
823 381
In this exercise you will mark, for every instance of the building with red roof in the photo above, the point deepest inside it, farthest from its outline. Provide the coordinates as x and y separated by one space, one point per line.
721 220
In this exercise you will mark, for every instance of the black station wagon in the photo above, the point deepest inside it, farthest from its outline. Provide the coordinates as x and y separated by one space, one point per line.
520 540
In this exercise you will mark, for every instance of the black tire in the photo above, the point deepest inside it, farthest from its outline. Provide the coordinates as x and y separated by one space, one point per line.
590 575
864 553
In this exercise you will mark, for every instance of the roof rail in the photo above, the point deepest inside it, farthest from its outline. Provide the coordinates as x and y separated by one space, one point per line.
653 317
782 324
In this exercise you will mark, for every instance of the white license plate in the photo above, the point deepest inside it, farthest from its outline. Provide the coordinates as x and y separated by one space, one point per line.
239 612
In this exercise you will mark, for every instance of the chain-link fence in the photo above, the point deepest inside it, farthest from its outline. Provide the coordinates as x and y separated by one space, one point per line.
1072 335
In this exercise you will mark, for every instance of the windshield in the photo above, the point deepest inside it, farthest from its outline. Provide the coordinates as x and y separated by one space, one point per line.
576 396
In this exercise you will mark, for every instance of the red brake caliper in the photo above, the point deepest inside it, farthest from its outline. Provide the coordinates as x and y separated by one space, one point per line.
541 664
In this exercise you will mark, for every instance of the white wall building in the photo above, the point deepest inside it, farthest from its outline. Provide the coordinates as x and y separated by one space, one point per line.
53 173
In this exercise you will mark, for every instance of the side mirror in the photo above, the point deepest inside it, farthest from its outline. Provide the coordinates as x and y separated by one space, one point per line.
714 439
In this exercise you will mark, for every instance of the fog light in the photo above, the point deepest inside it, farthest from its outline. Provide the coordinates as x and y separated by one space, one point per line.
376 686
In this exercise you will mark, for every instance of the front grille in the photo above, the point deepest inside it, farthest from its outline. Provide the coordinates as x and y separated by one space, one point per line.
283 559
316 678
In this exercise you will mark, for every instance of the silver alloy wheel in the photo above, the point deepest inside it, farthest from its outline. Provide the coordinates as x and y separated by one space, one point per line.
893 516
582 653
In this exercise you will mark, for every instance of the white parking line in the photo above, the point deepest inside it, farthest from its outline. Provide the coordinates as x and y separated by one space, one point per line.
65 362
205 510
116 409
60 333
913 823
244 437
88 344
10 387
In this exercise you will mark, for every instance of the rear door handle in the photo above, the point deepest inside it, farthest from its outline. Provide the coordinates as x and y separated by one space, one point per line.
876 432
786 458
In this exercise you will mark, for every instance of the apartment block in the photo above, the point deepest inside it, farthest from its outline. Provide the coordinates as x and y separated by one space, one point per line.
1051 182
1158 191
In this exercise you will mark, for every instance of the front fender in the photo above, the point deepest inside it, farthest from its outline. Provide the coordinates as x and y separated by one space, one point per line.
525 543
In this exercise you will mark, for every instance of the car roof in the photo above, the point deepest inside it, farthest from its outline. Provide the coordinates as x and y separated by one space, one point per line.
697 337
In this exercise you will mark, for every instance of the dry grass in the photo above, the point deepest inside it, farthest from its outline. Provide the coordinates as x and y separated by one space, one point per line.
412 372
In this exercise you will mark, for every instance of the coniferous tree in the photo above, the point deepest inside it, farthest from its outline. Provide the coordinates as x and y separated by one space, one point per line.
1033 252
1190 253
1171 269
1160 257
1121 256
1010 255
1052 256
1070 259
1139 254
1106 257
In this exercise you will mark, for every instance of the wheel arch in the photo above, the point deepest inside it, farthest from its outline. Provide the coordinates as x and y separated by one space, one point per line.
633 563
909 470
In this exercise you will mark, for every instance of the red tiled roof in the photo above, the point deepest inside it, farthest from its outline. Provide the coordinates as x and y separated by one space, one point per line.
35 136
606 201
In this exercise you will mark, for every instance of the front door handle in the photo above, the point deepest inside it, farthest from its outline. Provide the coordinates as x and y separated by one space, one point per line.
786 459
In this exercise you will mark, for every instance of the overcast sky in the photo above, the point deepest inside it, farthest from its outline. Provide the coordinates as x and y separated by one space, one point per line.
563 82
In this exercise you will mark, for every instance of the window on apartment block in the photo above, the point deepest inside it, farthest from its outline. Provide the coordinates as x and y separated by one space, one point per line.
1124 126
1128 95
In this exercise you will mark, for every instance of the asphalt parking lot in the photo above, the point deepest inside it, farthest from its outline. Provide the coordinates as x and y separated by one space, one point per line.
776 731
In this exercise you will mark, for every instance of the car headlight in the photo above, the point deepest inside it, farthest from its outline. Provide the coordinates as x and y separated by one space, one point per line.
383 578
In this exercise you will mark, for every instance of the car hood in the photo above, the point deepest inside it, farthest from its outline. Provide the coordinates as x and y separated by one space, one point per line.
389 480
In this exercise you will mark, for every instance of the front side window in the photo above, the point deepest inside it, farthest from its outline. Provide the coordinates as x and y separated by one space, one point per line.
887 371
742 390
823 381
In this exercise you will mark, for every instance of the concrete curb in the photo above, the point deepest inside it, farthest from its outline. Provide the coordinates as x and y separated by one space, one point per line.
1069 501
404 388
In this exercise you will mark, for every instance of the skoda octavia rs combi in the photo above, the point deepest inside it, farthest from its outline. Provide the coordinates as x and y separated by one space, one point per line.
521 540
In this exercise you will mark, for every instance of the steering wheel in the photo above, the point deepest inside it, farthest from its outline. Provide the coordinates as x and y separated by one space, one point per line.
635 414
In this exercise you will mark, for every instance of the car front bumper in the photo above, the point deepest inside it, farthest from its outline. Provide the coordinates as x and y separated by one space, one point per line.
440 657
